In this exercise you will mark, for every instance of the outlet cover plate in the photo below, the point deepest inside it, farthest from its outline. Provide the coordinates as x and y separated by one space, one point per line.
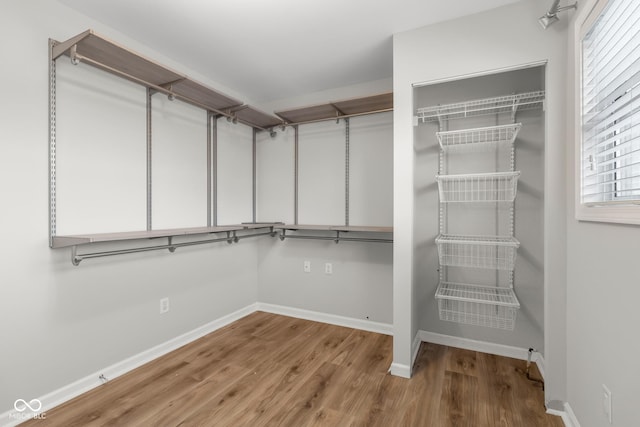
606 403
328 268
164 305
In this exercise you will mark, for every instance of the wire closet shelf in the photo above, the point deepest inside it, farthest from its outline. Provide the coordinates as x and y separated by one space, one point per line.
479 187
480 107
488 252
478 139
477 305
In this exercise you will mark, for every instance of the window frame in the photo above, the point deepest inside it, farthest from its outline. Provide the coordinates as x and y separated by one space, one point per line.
613 212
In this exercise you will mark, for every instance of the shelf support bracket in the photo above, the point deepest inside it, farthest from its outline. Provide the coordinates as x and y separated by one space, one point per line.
514 110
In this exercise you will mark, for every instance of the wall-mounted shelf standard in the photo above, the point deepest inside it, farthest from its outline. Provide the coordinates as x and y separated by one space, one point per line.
478 138
338 109
102 53
477 305
502 104
492 252
479 187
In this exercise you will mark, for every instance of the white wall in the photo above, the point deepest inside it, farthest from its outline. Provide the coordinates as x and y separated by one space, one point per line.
60 323
502 38
275 176
101 153
360 286
235 173
602 296
321 173
179 164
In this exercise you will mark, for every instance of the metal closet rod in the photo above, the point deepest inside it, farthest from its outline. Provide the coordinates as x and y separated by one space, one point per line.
336 239
232 237
75 57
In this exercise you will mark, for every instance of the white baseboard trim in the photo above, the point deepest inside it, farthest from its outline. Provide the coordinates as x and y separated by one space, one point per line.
415 348
568 416
469 344
68 392
400 370
485 347
539 359
332 319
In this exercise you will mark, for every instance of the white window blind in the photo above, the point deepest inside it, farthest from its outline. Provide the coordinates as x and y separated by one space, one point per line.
611 106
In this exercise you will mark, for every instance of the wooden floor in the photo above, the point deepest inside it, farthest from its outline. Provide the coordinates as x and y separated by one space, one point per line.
270 370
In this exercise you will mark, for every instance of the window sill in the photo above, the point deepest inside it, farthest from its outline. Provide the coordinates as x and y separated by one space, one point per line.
627 214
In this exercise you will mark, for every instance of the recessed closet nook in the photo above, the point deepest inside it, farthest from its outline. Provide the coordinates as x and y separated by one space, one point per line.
479 182
152 160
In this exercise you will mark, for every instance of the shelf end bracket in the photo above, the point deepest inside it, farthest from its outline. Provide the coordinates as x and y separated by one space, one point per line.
75 259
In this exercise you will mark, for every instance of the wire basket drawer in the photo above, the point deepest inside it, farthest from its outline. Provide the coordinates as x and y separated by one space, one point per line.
477 305
480 187
478 138
493 252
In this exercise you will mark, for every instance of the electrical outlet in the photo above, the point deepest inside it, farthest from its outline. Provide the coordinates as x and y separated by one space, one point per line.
328 268
164 305
307 266
606 403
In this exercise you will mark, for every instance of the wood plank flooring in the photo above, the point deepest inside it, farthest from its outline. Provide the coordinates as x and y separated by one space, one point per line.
270 370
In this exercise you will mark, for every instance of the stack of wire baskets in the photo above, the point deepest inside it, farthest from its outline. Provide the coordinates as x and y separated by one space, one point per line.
476 304
490 306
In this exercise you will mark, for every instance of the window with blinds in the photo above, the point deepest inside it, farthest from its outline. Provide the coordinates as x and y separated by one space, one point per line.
611 106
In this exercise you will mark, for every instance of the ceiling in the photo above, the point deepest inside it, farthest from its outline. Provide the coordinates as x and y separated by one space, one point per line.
274 49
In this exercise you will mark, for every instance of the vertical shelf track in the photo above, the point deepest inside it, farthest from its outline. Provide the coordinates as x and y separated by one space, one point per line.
52 144
512 207
296 171
149 98
346 171
254 162
214 168
442 207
